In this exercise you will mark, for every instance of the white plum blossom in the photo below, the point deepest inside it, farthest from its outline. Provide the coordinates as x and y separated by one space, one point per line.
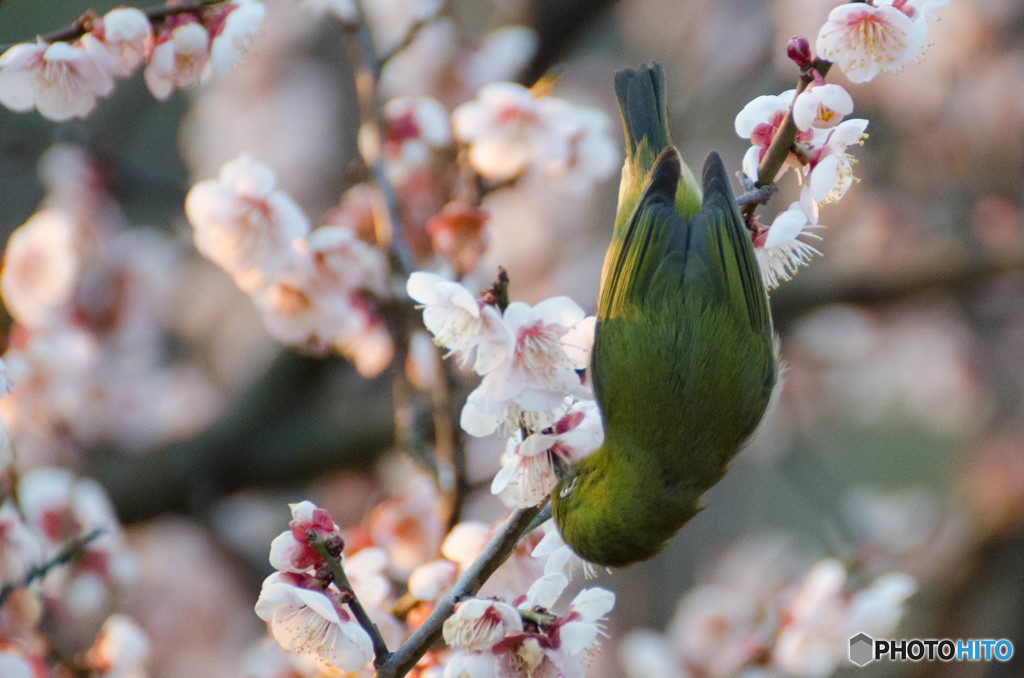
60 80
778 247
505 129
644 653
294 314
559 556
491 637
531 383
367 572
878 608
585 615
342 262
290 551
21 547
716 628
118 41
586 153
41 267
822 105
459 322
310 622
868 38
413 127
822 615
431 580
510 129
236 26
122 649
830 172
528 472
759 121
766 614
244 224
62 507
479 624
179 56
466 541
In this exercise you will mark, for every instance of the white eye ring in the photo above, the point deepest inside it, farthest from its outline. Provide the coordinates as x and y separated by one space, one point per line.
567 490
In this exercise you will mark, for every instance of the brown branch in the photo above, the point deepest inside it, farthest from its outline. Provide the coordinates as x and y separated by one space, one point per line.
449 449
84 23
498 549
359 43
784 138
380 648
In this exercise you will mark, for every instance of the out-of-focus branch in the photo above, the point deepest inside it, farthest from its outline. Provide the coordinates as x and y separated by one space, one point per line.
943 271
448 455
359 42
84 23
494 554
69 552
449 447
410 35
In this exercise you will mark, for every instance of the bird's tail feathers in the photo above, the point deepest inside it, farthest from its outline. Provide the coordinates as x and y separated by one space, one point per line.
721 232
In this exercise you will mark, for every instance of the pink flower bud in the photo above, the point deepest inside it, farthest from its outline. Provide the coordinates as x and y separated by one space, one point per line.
799 50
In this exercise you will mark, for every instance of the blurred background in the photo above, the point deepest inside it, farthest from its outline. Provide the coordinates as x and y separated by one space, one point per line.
898 439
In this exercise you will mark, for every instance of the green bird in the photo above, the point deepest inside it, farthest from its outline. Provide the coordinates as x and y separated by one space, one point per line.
683 363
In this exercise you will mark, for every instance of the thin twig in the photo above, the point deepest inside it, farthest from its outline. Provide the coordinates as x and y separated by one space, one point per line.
84 23
380 648
69 552
449 449
359 42
778 150
498 549
409 36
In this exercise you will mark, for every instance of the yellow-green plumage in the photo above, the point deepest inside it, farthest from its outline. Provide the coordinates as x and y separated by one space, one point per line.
683 362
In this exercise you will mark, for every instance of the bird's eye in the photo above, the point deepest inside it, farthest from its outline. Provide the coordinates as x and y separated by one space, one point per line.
567 490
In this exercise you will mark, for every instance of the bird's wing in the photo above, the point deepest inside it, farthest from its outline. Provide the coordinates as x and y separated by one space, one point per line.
721 266
653 231
682 309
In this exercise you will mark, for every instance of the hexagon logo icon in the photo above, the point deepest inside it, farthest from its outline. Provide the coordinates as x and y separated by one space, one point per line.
862 649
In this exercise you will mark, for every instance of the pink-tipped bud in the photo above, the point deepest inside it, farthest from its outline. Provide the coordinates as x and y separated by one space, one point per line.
799 50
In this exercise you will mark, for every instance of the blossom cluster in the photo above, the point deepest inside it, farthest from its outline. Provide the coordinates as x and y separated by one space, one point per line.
862 39
767 614
321 289
53 510
88 297
314 288
494 638
531 359
62 80
510 129
504 634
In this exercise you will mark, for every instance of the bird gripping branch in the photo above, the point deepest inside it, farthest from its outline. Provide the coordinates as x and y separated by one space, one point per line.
683 362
